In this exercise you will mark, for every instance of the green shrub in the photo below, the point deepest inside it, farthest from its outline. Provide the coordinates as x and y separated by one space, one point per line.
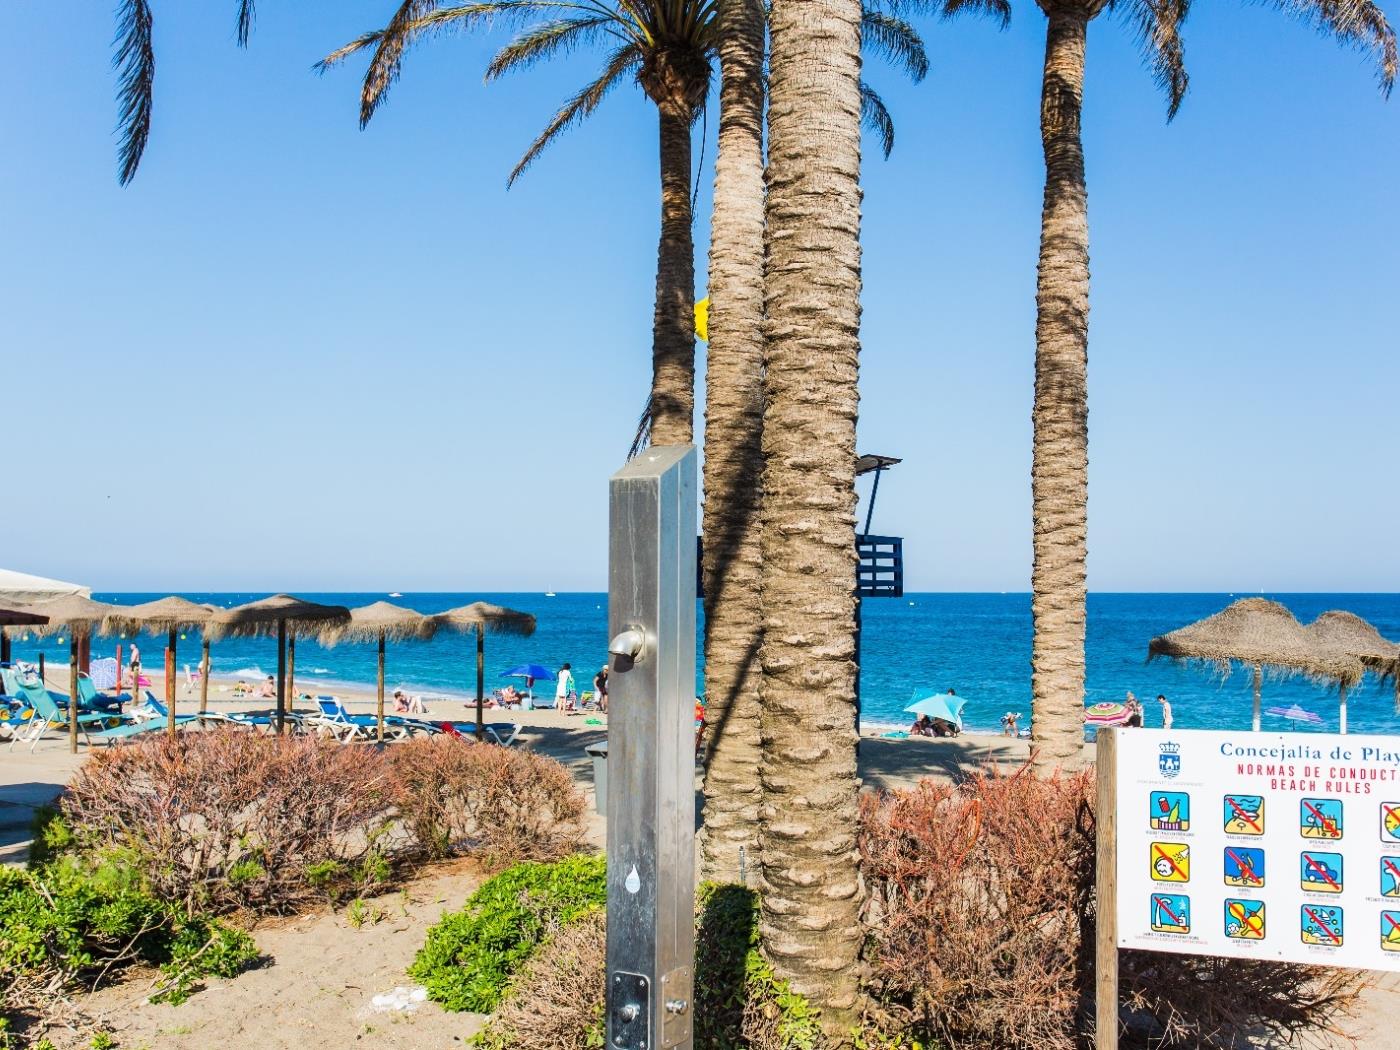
76 918
739 1001
471 955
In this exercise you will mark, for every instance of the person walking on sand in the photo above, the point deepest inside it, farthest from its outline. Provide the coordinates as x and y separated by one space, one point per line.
600 690
564 688
1166 711
135 669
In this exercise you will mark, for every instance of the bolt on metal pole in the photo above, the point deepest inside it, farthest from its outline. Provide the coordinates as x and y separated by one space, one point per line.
651 751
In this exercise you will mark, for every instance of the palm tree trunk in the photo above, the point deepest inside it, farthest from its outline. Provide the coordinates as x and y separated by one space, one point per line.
673 326
811 889
1060 459
204 677
734 452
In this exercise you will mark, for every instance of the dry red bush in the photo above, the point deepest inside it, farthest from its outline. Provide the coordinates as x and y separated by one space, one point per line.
229 820
981 931
500 805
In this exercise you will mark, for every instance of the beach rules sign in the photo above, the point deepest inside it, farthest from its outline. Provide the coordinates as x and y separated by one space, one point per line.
1278 846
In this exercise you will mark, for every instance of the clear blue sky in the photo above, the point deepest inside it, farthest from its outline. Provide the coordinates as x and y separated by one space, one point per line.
295 355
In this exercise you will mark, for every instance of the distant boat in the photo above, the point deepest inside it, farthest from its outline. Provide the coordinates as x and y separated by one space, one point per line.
395 594
549 594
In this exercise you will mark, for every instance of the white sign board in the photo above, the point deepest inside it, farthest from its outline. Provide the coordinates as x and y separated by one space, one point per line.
1280 846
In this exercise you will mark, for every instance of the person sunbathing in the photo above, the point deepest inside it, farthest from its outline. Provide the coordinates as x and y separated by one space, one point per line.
405 704
511 696
923 726
269 688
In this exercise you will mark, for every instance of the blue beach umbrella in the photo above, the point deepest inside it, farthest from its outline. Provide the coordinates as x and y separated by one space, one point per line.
947 706
528 671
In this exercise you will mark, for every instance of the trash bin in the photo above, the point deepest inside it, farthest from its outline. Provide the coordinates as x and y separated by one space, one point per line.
599 753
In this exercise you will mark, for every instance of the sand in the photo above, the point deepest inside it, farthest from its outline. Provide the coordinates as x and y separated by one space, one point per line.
322 972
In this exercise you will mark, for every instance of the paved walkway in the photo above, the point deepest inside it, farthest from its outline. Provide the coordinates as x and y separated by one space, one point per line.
26 783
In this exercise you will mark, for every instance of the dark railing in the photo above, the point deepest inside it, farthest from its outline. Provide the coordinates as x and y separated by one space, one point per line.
880 573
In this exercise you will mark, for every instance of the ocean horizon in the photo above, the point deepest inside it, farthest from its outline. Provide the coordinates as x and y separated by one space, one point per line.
976 643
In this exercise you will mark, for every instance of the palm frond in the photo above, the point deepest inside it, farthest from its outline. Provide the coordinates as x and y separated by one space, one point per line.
1157 26
1358 23
999 10
247 12
625 58
384 65
135 61
546 41
875 116
895 40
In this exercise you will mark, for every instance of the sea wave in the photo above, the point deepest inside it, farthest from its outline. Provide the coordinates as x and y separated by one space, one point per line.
247 672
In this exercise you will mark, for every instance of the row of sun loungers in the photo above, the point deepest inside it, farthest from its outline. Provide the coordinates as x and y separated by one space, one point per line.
33 710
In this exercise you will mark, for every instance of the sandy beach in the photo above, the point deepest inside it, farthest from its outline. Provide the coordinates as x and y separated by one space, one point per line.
323 972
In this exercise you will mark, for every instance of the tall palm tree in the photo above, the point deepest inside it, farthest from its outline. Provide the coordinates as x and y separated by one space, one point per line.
810 883
667 47
135 60
734 410
733 450
1059 471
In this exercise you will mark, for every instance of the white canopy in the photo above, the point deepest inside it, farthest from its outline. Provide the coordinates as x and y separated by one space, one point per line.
20 588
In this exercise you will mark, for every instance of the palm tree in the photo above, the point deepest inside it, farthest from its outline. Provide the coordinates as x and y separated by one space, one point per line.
734 409
809 923
136 75
667 47
733 450
1059 472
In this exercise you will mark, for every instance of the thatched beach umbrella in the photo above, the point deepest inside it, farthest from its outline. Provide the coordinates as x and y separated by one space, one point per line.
481 617
269 618
170 616
1260 633
381 622
1356 637
79 618
16 618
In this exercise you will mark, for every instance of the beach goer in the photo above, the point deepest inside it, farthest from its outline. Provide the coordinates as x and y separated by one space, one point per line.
510 696
135 668
1166 711
269 688
564 689
923 726
943 727
1134 712
1008 724
600 690
405 704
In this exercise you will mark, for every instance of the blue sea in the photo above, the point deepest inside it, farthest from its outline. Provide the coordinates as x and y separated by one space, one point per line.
978 644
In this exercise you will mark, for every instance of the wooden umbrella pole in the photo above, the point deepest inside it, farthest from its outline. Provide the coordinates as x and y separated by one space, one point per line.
480 682
170 682
1258 681
72 693
380 708
281 674
292 668
1342 707
204 678
5 646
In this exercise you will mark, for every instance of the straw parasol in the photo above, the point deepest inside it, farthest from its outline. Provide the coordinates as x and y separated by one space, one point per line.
481 617
1351 634
381 622
268 618
16 618
170 615
79 618
1261 633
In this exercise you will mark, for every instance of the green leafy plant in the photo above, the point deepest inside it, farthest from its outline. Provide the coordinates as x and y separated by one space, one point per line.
86 918
471 955
103 1041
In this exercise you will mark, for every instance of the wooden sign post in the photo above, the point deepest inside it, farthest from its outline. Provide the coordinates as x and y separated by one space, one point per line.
1106 887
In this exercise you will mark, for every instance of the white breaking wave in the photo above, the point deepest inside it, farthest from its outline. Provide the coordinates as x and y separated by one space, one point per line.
249 672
